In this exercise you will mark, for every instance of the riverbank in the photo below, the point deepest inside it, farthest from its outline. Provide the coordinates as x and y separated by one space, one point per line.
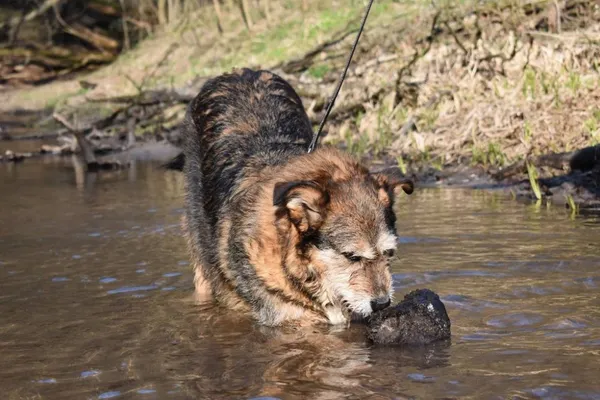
461 95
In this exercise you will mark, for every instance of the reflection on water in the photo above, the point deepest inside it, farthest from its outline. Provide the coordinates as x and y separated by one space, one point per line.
95 285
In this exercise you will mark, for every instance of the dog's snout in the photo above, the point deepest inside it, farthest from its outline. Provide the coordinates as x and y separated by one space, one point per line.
380 303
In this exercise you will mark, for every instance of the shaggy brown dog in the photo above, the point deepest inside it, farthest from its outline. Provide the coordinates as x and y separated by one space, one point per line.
272 230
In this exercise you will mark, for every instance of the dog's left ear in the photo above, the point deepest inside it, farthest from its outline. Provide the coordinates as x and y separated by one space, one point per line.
390 181
305 201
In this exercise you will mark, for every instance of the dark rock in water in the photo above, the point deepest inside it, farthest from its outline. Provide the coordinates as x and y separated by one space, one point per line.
585 159
419 319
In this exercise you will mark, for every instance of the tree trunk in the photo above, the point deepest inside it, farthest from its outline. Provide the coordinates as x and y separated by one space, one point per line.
219 15
162 12
14 31
267 7
88 152
243 4
126 41
174 11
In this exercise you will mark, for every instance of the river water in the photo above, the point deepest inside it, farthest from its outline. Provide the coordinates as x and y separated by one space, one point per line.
95 301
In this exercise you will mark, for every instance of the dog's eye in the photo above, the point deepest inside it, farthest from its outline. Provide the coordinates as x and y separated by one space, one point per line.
352 257
389 253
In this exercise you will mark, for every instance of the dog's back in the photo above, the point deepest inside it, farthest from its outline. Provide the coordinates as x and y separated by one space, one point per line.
245 107
239 115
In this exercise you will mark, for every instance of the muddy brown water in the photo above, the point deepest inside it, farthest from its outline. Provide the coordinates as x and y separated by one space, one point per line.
95 301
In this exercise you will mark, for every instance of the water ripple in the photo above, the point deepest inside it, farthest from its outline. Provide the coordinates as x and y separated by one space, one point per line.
130 289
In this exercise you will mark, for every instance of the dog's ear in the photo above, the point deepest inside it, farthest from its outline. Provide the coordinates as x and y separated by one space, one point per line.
390 181
305 202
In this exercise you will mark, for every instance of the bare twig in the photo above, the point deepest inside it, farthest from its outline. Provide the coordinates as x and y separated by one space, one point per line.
102 43
267 9
217 7
416 56
126 41
456 39
14 31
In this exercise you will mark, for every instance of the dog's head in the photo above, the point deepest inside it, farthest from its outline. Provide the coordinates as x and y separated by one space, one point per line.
344 236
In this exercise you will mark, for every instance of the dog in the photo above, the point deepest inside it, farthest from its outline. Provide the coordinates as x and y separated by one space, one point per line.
285 235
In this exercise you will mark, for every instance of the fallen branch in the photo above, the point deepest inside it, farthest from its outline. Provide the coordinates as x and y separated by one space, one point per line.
101 42
558 161
304 62
88 153
147 98
416 56
343 110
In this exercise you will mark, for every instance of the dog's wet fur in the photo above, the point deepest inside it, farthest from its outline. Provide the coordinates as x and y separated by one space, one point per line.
419 319
272 230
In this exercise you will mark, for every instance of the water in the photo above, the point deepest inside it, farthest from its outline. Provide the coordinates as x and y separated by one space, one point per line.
95 301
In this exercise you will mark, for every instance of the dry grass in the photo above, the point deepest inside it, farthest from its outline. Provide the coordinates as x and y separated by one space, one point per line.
491 96
475 83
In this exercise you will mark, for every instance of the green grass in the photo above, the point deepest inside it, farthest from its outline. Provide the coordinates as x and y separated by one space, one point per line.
357 147
527 133
574 82
533 180
318 71
529 83
543 83
592 126
60 99
492 156
401 164
428 118
385 134
293 37
572 205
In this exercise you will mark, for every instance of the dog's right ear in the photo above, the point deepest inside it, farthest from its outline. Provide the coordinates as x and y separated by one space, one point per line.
305 202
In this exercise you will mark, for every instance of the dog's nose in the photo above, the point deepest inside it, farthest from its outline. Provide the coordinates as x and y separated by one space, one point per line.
380 303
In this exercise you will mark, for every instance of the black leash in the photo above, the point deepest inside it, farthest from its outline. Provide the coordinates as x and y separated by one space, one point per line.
315 138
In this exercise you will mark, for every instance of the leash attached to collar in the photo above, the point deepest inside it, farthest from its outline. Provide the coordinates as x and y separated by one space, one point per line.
315 138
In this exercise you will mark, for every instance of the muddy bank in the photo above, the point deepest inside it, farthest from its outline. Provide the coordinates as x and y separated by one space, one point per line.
159 151
583 187
561 177
111 141
577 179
579 182
564 178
